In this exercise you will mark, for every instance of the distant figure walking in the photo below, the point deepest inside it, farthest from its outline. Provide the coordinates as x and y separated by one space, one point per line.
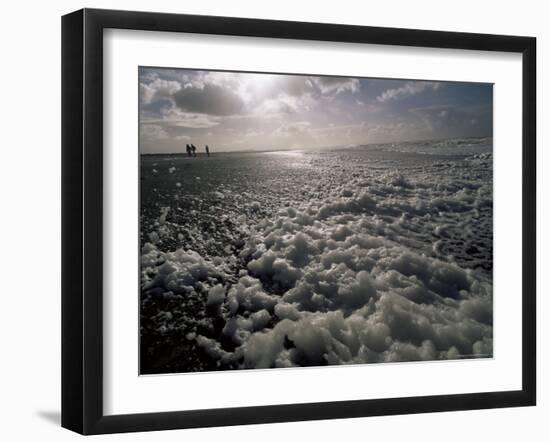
207 150
194 150
188 149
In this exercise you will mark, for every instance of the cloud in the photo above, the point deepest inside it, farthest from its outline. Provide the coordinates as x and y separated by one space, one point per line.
293 128
294 85
153 131
173 116
407 90
209 99
157 89
252 133
283 104
337 84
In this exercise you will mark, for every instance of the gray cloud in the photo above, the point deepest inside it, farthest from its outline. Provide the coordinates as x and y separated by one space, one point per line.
294 86
210 99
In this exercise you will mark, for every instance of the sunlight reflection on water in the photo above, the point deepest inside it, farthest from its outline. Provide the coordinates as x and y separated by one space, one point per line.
286 153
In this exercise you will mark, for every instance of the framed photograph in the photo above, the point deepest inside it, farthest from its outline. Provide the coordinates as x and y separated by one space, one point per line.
269 221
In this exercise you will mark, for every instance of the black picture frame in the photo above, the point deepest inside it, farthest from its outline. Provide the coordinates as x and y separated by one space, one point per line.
82 218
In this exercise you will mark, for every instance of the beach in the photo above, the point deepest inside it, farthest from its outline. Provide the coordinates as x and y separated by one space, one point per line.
365 254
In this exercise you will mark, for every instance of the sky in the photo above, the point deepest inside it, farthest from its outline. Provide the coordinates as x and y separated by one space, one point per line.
233 111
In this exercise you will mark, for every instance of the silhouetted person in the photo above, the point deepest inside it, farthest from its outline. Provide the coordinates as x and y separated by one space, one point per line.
194 150
188 149
207 150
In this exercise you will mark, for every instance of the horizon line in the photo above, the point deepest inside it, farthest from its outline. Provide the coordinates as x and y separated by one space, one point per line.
323 147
